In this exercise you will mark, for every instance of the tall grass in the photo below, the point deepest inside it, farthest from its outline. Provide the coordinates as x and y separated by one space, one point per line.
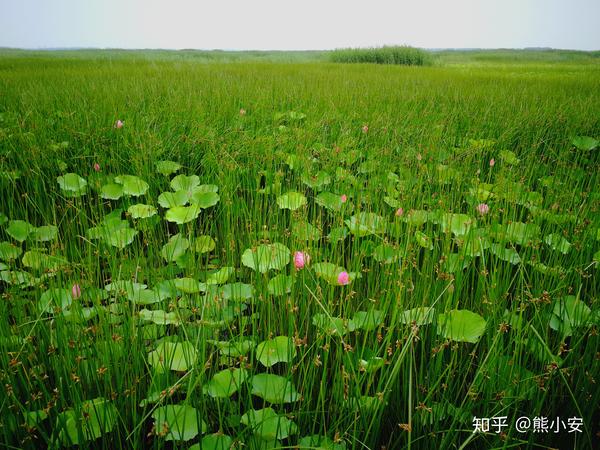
402 55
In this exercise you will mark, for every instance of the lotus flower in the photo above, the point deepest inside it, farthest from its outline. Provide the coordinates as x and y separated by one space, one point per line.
365 128
301 259
344 198
343 278
492 162
119 124
483 209
76 291
97 167
399 212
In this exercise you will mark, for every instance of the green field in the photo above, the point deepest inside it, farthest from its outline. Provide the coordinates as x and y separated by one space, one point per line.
153 293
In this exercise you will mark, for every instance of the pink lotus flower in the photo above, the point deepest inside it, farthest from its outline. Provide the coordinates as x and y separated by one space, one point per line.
483 209
301 259
492 162
399 212
242 112
76 291
343 278
365 128
97 167
344 198
119 124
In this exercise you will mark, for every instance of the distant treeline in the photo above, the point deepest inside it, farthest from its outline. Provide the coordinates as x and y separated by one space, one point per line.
405 55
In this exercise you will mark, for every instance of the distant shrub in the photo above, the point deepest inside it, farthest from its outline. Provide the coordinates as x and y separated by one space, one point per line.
408 56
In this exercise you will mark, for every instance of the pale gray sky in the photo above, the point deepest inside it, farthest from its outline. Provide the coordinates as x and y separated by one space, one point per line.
300 24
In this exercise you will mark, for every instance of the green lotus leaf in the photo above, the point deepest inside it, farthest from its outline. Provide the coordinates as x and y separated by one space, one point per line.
37 260
121 237
225 383
9 251
18 278
184 183
273 351
160 317
95 418
44 233
330 325
330 272
267 256
421 316
111 191
423 240
173 199
141 211
316 442
291 200
459 224
132 185
203 244
461 325
204 199
221 276
166 168
216 441
304 231
19 230
72 185
175 247
557 242
509 157
416 217
236 291
177 356
183 214
363 224
189 285
386 254
454 263
316 181
338 234
569 313
54 299
268 425
367 320
234 349
274 388
585 143
516 232
329 201
280 285
505 254
181 422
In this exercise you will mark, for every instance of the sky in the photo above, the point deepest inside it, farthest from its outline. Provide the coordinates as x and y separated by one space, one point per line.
300 24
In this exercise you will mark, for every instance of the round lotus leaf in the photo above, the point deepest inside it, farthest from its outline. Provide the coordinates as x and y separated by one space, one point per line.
459 224
175 247
461 325
509 157
423 240
337 234
203 244
111 191
166 168
141 211
505 254
184 183
189 285
121 238
569 313
173 199
363 224
330 201
274 388
183 422
516 232
37 260
330 325
280 285
3 218
72 185
44 233
268 425
316 442
9 251
18 278
386 254
53 299
221 276
273 351
177 356
421 316
316 181
132 185
203 188
160 317
95 418
204 199
330 273
225 383
367 320
183 214
304 231
267 256
558 243
237 291
291 200
216 441
585 143
19 230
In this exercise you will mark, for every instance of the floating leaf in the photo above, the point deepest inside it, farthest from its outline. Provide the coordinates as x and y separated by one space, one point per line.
386 254
304 231
363 224
330 201
121 237
72 185
160 317
19 230
268 425
203 244
516 232
557 242
585 143
569 313
316 442
221 276
44 233
459 224
182 422
237 291
36 260
330 325
316 181
416 217
367 320
225 383
111 191
166 168
505 254
175 247
421 316
291 200
273 351
509 157
423 240
234 349
205 199
267 256
183 214
173 199
274 388
54 299
9 251
280 285
185 183
461 325
454 262
337 234
132 185
189 285
177 356
141 211
216 441
94 418
330 272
